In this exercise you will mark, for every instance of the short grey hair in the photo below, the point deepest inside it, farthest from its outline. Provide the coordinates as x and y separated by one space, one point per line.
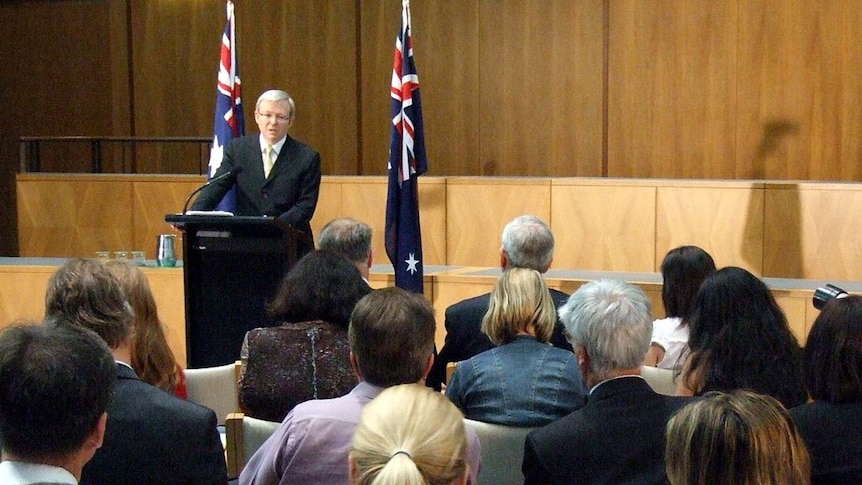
529 243
612 320
347 237
276 95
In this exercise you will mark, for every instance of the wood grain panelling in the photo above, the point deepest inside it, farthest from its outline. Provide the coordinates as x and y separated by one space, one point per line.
726 221
446 53
800 93
540 88
671 91
56 80
308 48
600 225
74 216
810 232
328 205
481 207
364 198
154 197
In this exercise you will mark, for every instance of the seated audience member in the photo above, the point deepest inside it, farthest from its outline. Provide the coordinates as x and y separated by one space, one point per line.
527 243
409 435
740 340
524 381
618 436
391 342
307 356
152 359
349 238
831 425
682 271
152 436
55 387
742 438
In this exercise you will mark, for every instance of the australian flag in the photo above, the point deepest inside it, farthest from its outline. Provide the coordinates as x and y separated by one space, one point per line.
229 122
406 162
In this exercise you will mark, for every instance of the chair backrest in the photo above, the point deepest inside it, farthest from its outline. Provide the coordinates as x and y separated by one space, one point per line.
244 436
450 369
502 452
215 388
661 380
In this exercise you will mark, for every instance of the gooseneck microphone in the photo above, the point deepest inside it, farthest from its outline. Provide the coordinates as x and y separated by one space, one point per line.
232 173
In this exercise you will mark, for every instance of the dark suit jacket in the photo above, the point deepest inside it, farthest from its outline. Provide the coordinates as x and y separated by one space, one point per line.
154 437
833 435
464 337
616 438
289 193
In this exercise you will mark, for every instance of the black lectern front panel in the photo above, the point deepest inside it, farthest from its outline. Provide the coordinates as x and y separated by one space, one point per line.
232 268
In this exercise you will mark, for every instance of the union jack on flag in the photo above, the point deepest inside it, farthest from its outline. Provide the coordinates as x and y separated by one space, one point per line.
403 236
229 121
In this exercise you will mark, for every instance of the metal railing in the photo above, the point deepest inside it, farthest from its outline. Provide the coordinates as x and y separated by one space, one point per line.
30 150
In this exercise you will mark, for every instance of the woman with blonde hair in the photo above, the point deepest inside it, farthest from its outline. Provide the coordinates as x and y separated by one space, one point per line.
152 358
409 435
741 438
524 381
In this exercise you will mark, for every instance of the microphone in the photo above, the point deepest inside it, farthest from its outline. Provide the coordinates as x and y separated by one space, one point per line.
232 173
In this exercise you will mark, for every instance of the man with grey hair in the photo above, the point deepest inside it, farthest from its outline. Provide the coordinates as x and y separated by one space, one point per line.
349 238
527 243
618 436
275 175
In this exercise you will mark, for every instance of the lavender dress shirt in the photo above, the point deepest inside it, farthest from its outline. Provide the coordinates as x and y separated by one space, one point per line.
313 441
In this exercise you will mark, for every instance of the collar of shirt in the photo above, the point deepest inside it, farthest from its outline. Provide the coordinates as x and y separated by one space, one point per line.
276 147
14 472
613 379
123 363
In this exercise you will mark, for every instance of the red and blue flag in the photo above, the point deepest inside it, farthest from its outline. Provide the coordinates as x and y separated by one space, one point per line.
403 236
229 121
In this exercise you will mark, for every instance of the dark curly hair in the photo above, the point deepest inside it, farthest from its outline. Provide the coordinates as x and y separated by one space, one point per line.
321 286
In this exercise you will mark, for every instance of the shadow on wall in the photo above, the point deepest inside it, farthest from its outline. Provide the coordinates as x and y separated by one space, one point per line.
782 241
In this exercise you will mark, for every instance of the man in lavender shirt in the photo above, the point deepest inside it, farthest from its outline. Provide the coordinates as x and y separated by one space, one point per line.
391 342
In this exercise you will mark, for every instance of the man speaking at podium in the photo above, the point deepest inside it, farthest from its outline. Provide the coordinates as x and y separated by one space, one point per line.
275 174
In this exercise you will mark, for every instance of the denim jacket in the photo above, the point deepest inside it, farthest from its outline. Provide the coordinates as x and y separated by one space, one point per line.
522 383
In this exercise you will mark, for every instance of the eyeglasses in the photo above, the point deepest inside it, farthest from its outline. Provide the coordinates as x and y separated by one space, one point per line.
271 116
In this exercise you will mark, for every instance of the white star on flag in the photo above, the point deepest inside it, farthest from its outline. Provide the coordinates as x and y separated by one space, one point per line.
216 156
411 264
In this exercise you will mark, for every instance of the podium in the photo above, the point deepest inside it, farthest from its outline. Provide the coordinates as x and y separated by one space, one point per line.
232 267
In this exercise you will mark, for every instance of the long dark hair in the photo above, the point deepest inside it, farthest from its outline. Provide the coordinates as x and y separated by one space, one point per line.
321 286
682 271
833 353
739 339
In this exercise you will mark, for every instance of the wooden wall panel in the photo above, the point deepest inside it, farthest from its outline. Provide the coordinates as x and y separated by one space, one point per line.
481 207
727 222
447 61
541 86
74 216
329 205
22 292
809 232
307 48
671 89
56 80
603 226
364 198
168 290
154 197
799 92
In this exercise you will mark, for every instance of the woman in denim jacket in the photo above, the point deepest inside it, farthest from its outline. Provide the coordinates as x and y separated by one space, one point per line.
524 381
